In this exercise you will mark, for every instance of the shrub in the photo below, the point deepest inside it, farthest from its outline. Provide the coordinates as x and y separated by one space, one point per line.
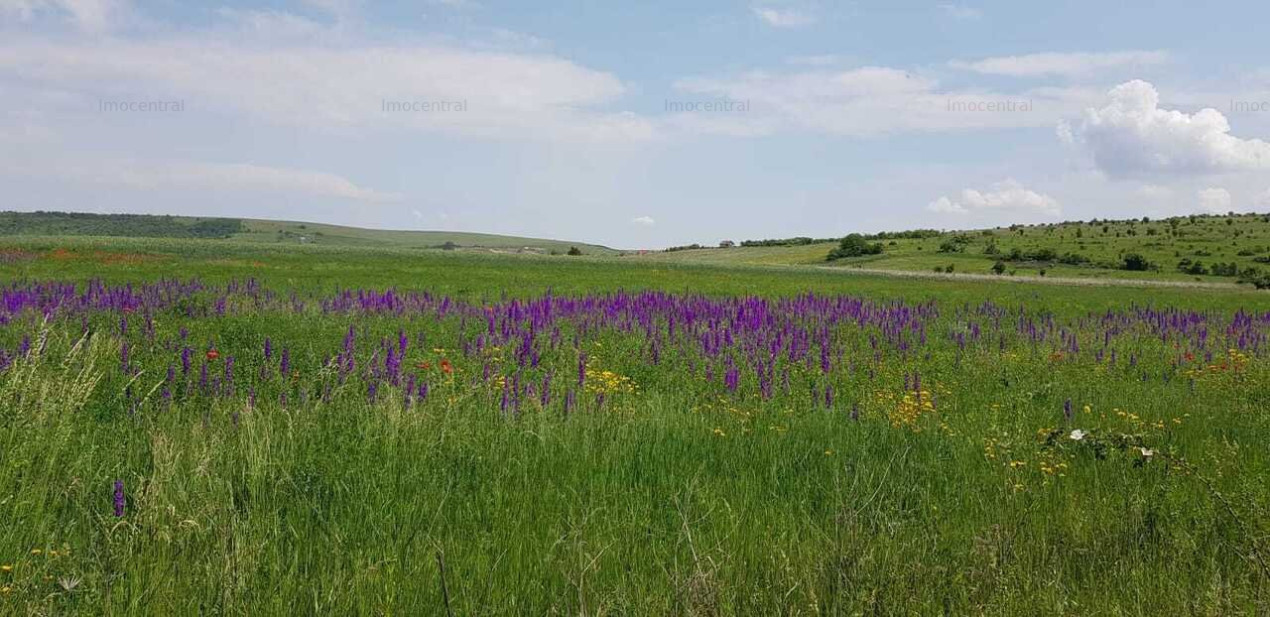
1136 262
855 245
955 244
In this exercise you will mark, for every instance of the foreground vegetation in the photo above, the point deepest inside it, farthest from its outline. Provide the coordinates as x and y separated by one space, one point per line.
347 431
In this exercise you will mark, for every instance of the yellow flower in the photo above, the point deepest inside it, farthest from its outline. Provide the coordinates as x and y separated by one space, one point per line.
36 551
6 568
828 452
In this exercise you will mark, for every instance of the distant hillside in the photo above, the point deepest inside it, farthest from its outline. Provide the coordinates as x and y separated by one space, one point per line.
318 233
1216 248
274 232
132 225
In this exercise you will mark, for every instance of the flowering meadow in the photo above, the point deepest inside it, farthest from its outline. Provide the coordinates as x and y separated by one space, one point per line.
244 446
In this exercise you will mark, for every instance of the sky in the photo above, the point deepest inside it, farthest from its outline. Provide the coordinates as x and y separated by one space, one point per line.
636 124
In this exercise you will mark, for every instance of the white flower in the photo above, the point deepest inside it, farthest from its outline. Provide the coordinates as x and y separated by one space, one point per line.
1147 452
1077 435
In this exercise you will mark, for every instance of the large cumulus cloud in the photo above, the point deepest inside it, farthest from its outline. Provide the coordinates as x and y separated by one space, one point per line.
1133 136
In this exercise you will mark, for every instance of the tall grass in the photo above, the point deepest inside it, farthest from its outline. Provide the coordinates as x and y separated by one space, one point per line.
674 503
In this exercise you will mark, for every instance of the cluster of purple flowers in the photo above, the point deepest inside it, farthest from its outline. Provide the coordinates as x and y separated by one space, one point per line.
513 348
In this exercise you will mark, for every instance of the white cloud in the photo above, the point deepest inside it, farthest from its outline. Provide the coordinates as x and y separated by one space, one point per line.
646 221
330 87
1155 192
1263 200
1214 201
784 18
869 101
1132 135
1064 64
961 11
89 15
203 177
1007 196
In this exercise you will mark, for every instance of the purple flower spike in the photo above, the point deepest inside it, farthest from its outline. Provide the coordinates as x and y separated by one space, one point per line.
120 500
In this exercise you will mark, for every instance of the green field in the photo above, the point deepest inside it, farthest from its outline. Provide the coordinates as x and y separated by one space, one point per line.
58 224
251 427
1235 239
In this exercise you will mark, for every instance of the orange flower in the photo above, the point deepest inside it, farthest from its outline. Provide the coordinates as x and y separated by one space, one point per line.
424 366
446 367
212 354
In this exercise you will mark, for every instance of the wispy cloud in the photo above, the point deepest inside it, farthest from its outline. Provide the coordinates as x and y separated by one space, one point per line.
784 18
869 101
200 176
293 81
646 221
960 11
1007 196
1062 64
88 15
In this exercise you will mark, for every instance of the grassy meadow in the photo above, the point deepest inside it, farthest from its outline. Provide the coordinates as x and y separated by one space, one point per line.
273 233
1239 239
250 428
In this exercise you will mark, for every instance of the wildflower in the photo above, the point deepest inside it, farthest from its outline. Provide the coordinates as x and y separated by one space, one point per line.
36 551
1077 435
1147 452
120 500
6 568
212 354
446 367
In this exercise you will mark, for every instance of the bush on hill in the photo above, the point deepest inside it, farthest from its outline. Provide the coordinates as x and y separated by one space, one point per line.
855 245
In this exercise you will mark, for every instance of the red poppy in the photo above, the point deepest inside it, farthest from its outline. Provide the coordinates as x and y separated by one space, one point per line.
212 354
446 367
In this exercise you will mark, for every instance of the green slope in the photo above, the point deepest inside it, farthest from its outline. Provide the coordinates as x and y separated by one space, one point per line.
318 233
271 232
1171 246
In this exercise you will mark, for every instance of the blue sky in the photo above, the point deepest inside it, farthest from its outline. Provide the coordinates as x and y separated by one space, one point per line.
637 125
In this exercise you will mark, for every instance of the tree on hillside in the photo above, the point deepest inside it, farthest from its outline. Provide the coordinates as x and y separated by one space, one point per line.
1136 263
855 245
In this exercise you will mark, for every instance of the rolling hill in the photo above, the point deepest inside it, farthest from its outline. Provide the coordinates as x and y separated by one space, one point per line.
1208 248
272 232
